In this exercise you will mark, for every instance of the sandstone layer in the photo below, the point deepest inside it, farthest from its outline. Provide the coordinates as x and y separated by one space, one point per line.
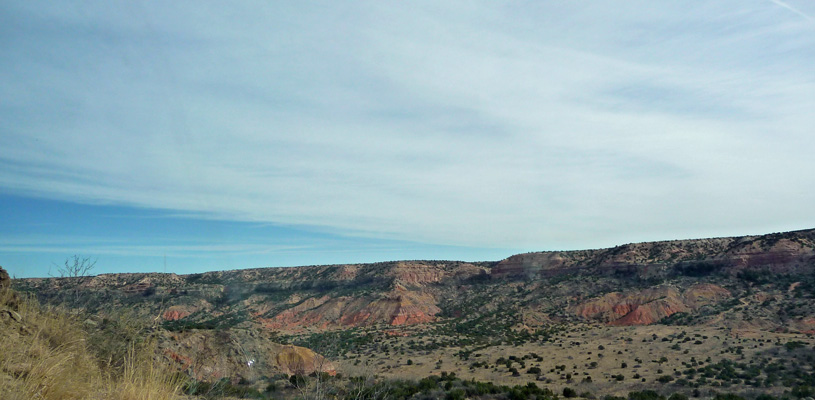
648 306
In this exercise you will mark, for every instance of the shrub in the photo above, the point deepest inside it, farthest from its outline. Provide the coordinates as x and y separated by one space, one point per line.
728 396
645 395
802 391
792 345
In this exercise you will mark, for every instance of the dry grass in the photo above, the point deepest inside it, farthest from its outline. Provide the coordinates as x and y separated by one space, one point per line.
143 379
45 356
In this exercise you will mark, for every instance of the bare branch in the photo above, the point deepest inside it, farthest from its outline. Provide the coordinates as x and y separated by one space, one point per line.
78 268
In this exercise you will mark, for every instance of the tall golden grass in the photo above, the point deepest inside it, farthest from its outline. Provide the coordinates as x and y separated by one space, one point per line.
144 379
46 355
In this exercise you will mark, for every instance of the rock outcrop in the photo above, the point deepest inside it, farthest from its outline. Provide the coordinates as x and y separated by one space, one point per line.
8 297
174 313
295 360
702 294
648 313
398 307
5 280
416 274
648 306
238 354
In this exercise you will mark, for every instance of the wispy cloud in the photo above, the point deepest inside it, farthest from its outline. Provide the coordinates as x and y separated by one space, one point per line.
556 125
793 9
101 246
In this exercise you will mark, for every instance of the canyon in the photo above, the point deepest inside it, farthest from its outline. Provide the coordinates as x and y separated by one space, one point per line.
251 324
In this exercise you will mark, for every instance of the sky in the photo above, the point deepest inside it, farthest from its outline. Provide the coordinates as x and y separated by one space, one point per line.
195 136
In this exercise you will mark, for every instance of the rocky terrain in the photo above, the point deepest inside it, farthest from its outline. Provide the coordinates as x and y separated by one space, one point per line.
253 324
647 306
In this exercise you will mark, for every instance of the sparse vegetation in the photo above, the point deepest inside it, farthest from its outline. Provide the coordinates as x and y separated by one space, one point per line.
458 332
44 356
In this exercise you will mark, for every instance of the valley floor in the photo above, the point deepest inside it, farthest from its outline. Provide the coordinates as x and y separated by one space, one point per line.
606 360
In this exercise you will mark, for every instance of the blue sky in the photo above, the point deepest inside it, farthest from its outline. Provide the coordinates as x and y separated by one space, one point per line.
292 133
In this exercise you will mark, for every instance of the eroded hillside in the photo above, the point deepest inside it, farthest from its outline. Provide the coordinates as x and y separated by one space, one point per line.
218 323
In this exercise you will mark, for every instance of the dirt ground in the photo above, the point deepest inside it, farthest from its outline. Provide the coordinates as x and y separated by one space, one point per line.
640 354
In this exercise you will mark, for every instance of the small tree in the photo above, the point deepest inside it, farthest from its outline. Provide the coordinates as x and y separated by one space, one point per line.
75 267
78 269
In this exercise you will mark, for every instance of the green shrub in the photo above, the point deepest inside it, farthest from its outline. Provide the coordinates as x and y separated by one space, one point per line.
455 394
645 395
728 396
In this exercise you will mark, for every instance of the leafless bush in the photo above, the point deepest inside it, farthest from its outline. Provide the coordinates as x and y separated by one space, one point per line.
78 269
